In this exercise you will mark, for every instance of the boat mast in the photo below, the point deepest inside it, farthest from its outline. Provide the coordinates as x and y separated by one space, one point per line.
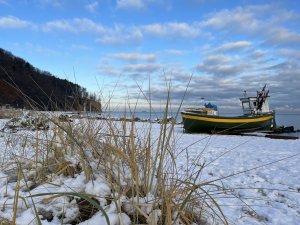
261 98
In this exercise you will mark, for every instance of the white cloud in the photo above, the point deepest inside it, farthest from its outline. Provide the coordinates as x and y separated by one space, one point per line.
14 23
63 25
222 70
134 57
92 6
172 30
120 35
266 22
283 36
53 3
230 46
130 4
105 68
142 4
239 18
174 52
116 35
87 25
224 66
258 53
290 53
75 25
216 59
143 68
261 57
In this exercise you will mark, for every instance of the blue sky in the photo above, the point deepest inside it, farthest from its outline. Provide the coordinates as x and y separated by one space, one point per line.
117 47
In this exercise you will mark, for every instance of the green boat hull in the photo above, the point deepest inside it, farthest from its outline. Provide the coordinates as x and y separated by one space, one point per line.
196 123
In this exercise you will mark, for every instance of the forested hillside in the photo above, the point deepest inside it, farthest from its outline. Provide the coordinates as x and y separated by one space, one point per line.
22 85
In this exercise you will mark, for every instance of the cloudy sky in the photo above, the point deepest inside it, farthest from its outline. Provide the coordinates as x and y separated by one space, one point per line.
121 48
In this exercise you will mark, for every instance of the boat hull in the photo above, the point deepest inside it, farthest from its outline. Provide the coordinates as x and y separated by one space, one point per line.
195 123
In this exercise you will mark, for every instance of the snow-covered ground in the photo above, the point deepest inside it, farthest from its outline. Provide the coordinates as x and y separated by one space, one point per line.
259 178
268 192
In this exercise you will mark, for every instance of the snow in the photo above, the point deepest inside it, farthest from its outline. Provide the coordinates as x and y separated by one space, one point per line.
114 219
259 178
271 190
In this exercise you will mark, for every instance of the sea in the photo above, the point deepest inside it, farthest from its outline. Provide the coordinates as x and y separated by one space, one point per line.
282 118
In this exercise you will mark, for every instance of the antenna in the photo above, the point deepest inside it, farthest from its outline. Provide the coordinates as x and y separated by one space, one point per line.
261 97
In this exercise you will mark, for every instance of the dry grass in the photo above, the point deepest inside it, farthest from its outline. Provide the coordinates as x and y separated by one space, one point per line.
4 221
139 168
9 113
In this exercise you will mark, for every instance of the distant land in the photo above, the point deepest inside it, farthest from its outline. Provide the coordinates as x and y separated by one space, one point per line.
25 86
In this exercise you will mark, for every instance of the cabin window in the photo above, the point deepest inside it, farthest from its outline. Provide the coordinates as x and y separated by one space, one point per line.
247 109
246 105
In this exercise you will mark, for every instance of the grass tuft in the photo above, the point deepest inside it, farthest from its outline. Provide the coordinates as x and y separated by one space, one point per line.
123 168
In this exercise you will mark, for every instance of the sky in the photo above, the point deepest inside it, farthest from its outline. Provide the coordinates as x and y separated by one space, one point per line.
131 51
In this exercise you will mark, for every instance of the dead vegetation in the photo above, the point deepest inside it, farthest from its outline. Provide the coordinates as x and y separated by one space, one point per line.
139 170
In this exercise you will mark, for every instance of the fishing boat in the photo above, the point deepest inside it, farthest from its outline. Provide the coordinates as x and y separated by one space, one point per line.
256 116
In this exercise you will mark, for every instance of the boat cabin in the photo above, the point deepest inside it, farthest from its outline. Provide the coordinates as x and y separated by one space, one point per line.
208 109
255 105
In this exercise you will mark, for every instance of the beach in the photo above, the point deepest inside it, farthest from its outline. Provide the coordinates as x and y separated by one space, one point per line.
255 179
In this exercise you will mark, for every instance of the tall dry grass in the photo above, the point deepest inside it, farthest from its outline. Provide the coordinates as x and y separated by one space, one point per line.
138 164
139 167
9 113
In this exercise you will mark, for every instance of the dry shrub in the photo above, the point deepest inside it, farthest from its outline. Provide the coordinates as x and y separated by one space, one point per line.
4 221
9 113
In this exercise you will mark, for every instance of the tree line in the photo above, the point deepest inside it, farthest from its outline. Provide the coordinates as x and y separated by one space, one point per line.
23 85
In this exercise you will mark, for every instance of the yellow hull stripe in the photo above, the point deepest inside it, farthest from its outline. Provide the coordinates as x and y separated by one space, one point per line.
222 120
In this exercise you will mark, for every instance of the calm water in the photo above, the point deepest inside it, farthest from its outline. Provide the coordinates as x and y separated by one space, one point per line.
288 120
